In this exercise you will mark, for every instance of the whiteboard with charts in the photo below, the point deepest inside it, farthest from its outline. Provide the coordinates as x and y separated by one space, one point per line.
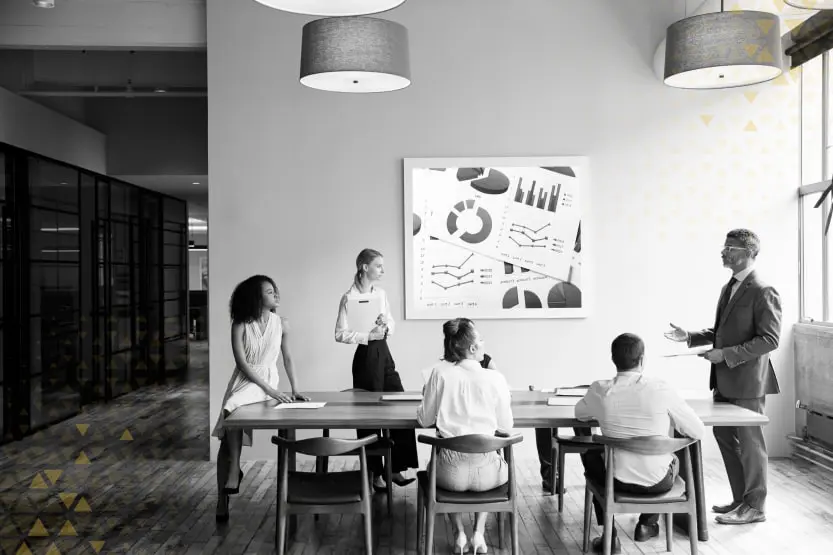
495 237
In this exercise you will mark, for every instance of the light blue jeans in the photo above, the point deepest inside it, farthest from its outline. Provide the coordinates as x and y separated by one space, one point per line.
470 471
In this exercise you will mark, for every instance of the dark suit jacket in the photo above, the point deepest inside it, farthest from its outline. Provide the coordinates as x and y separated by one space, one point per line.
748 330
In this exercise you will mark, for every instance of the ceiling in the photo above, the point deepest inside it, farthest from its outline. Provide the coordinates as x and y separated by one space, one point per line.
180 186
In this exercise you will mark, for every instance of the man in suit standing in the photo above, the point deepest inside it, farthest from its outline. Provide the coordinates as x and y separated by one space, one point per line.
746 330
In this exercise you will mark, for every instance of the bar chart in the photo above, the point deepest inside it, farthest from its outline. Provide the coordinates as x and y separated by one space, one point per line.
547 201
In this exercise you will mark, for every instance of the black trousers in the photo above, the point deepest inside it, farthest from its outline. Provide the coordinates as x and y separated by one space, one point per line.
543 442
374 370
744 454
594 469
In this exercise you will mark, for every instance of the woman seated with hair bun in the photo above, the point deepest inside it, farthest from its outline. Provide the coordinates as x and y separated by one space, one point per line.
461 397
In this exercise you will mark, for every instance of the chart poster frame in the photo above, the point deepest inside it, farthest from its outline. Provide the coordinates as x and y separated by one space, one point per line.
496 237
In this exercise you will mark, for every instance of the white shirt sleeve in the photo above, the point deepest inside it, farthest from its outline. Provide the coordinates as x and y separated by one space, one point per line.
505 420
343 333
427 411
683 417
588 407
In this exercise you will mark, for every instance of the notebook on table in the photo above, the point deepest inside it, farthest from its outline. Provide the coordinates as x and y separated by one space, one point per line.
562 401
571 391
300 405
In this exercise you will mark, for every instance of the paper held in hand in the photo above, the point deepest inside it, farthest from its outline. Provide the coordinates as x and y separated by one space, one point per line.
300 405
687 354
362 311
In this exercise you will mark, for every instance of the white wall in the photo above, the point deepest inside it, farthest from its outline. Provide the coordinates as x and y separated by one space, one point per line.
301 180
33 127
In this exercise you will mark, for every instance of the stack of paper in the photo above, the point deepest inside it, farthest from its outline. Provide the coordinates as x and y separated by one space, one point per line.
300 405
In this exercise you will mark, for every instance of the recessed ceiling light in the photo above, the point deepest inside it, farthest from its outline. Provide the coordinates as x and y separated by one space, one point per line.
195 183
44 3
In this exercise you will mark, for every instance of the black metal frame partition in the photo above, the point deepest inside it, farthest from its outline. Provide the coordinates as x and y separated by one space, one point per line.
94 273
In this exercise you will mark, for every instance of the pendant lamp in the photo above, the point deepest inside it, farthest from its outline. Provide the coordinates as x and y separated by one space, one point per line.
723 49
811 4
338 8
355 54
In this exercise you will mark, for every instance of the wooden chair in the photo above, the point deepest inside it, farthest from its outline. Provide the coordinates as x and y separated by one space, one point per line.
561 446
382 448
432 500
316 493
680 499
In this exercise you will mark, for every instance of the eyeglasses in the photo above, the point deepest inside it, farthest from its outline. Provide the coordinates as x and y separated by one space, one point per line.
731 248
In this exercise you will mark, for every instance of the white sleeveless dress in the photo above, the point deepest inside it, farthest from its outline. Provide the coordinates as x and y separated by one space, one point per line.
262 351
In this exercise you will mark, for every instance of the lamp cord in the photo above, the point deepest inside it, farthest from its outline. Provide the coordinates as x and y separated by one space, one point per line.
721 6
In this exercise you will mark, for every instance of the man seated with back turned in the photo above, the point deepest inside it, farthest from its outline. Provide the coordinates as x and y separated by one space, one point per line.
634 405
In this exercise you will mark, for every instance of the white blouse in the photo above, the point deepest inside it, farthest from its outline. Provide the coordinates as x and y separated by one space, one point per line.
343 333
466 399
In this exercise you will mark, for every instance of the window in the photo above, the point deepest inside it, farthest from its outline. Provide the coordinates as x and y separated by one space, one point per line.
816 169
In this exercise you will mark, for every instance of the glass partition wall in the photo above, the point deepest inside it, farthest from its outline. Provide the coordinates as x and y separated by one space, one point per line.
94 276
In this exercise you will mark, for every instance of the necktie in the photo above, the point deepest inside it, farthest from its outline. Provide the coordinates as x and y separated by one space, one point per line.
724 300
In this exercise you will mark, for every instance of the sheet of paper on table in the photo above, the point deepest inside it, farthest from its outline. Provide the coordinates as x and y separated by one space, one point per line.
300 405
562 401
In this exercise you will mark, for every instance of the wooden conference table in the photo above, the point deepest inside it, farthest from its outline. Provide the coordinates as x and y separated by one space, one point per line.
348 410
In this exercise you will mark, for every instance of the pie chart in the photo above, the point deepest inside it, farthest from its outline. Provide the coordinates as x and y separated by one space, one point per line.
465 174
564 295
495 183
417 224
563 170
466 209
511 299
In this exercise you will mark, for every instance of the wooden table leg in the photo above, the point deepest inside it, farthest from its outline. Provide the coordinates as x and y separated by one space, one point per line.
681 520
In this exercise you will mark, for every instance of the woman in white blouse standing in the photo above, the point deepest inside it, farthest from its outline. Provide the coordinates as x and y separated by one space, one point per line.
373 365
462 397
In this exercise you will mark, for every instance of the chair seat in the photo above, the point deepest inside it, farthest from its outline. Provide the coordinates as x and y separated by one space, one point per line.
309 488
496 495
675 495
583 442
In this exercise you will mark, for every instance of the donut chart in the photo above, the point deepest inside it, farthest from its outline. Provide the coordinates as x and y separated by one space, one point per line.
480 212
417 224
564 295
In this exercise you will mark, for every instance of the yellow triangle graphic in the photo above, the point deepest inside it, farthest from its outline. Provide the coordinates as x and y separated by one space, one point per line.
126 436
766 25
793 23
38 482
779 5
750 49
82 459
24 549
765 56
82 506
67 499
781 80
67 529
97 545
53 475
750 96
82 428
707 119
750 126
53 550
38 529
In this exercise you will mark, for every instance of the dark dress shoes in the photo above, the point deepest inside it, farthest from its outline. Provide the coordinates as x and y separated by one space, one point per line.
723 509
616 545
645 532
744 514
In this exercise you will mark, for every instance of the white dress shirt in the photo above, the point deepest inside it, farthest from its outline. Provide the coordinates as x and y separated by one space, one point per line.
465 399
633 405
343 333
740 276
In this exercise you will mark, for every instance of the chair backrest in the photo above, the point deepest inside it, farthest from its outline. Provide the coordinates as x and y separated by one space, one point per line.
323 446
645 445
471 443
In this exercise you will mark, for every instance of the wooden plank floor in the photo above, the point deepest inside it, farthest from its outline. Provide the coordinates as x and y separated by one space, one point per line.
134 477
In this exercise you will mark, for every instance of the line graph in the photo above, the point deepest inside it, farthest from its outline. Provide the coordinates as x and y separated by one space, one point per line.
448 270
531 235
458 266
